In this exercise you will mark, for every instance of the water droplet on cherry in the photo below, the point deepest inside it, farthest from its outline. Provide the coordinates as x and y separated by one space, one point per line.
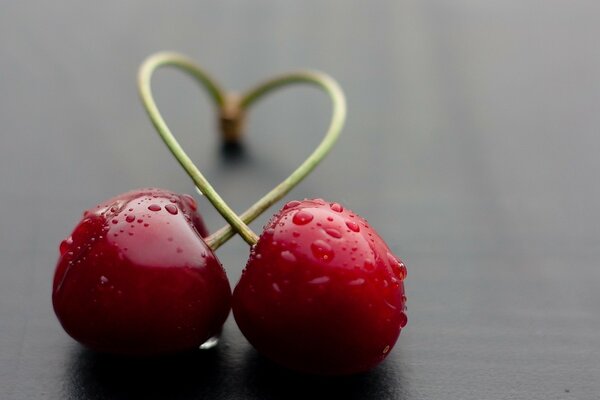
333 233
322 250
190 201
291 204
352 226
171 209
65 245
154 207
336 207
403 320
302 217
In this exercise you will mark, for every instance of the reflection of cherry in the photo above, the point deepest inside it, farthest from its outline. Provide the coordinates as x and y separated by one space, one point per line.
321 292
136 277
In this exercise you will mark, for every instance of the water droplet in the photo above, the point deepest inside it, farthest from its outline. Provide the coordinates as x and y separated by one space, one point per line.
146 225
295 234
399 271
269 231
288 256
131 209
258 256
179 250
322 250
189 200
103 280
302 217
403 320
140 221
386 349
369 266
320 280
336 207
333 233
171 209
154 207
352 226
357 282
130 218
65 245
291 204
115 221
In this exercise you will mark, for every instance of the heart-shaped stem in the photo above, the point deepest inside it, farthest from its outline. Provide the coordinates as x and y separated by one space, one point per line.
237 223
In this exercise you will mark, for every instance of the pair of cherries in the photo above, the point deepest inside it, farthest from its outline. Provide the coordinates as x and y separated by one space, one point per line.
321 292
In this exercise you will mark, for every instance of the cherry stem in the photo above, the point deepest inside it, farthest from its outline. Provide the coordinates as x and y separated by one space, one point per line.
238 223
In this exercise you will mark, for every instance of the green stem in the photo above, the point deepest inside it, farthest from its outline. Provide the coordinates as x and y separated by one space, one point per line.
145 90
329 86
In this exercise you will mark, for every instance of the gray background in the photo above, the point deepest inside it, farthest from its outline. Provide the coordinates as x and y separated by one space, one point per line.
471 144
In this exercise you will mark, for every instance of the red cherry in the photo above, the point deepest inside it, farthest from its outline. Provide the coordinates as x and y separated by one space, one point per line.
136 277
322 292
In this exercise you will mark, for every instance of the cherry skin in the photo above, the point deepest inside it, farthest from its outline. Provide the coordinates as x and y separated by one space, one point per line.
136 277
322 292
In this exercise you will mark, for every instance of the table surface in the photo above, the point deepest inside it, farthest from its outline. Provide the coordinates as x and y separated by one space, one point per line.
471 145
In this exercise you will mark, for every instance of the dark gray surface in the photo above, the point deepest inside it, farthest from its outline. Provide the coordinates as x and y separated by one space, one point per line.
472 145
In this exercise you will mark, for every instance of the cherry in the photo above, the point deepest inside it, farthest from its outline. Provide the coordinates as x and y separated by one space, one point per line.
136 277
321 292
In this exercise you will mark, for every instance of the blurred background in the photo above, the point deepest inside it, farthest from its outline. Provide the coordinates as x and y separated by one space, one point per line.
471 145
